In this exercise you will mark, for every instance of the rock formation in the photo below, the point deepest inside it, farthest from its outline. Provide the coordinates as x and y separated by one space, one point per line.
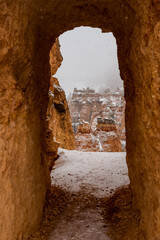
59 131
98 120
28 30
58 113
103 139
59 116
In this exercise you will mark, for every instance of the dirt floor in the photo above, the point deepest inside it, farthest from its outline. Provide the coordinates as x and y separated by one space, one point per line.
78 216
122 220
82 215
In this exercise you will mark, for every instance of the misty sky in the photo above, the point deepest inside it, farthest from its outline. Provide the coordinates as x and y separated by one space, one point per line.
89 60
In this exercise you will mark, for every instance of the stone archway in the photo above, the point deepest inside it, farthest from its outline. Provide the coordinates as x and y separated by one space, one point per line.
28 30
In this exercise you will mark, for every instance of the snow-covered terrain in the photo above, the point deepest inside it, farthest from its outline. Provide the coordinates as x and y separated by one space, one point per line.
96 173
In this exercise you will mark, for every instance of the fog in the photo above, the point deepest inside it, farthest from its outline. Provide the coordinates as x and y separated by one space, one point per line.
89 60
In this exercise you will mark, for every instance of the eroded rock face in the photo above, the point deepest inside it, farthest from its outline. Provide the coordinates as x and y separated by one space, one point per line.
103 138
58 113
98 120
28 30
55 57
59 117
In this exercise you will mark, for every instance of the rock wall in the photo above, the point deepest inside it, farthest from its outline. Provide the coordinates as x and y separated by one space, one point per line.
59 116
58 113
96 110
51 146
28 30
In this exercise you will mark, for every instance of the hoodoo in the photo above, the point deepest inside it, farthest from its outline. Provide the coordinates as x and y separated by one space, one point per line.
98 120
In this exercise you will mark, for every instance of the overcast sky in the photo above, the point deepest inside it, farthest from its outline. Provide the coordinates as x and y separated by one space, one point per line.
89 60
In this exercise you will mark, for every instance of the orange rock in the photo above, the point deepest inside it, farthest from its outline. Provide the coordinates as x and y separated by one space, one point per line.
98 120
84 127
58 112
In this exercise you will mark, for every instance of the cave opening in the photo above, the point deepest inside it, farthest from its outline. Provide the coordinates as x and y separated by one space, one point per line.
91 126
89 76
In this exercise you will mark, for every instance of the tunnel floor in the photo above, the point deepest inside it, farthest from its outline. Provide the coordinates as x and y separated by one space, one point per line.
88 177
82 219
95 201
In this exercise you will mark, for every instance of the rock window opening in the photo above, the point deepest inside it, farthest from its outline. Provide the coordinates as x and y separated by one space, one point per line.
88 119
89 75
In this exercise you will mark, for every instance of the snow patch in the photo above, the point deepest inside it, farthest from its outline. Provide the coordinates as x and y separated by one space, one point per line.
58 87
100 145
51 93
96 173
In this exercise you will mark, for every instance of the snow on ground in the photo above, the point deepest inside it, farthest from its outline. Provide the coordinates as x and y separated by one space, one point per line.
96 173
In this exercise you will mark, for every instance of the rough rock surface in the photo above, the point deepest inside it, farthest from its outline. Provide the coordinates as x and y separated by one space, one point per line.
59 116
55 57
58 113
28 30
103 139
98 120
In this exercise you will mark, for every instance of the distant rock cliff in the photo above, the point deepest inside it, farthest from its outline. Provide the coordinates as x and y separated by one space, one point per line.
98 120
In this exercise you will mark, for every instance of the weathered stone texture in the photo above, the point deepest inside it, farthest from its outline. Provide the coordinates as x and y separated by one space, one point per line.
103 138
28 30
99 118
55 57
58 113
59 116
